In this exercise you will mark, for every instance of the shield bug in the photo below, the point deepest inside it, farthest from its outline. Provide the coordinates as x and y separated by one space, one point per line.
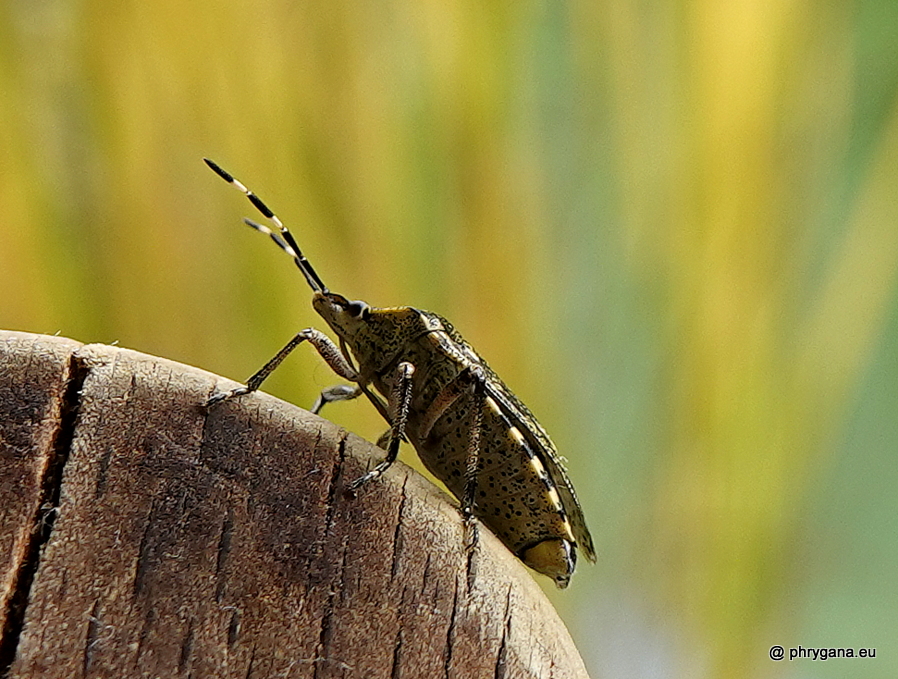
436 392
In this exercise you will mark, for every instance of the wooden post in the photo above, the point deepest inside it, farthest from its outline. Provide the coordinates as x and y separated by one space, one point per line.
142 537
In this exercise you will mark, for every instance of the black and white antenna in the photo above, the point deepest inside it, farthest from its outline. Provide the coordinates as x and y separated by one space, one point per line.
282 236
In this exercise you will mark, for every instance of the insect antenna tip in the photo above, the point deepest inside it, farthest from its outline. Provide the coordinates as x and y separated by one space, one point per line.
217 169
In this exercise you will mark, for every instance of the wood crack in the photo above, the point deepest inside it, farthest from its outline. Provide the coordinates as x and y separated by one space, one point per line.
45 512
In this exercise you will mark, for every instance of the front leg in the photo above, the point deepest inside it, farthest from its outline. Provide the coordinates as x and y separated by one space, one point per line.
322 343
402 398
338 392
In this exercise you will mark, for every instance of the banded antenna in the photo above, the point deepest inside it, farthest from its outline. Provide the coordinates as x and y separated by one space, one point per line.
282 237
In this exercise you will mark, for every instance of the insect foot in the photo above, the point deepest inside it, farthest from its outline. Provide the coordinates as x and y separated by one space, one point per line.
215 399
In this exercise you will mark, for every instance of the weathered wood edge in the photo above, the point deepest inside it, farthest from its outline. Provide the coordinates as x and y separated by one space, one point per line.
162 540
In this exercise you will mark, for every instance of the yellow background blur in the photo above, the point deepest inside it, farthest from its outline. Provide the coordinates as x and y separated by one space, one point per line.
671 227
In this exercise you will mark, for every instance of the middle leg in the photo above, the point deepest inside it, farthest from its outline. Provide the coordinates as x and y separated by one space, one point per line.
402 397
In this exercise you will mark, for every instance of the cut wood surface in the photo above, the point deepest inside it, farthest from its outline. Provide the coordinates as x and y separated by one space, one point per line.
141 536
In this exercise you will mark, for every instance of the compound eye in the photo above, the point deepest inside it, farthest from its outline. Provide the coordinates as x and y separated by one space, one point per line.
358 309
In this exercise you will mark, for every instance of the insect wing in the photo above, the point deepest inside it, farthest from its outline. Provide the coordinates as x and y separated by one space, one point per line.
541 445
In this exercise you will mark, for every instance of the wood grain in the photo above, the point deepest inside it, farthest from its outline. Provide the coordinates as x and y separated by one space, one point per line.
143 537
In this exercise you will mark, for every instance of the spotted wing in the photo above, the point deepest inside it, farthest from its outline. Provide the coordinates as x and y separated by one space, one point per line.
536 438
521 417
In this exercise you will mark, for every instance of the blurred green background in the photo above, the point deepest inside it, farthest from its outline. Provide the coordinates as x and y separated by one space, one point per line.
671 227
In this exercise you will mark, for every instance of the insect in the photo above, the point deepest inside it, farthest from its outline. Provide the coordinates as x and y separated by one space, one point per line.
436 392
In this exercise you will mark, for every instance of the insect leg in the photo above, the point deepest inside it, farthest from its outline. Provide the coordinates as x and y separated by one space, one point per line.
383 441
459 386
338 392
325 347
448 395
472 462
402 397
